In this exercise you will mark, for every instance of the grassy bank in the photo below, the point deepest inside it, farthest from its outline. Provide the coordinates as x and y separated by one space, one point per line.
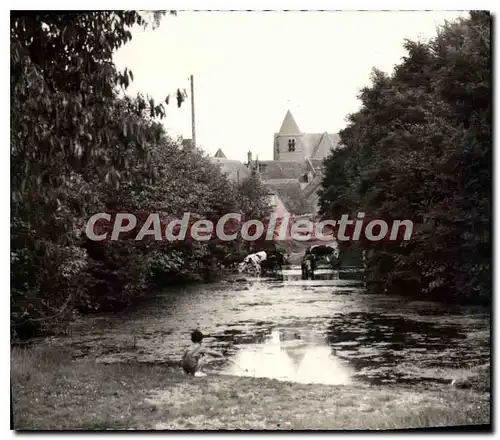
52 391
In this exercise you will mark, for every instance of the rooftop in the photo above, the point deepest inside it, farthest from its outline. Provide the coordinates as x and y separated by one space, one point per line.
289 126
292 197
273 170
220 154
233 168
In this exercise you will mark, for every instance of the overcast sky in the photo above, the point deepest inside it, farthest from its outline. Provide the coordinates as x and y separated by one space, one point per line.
250 67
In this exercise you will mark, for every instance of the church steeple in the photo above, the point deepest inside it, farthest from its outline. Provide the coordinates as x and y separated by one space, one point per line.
289 126
220 154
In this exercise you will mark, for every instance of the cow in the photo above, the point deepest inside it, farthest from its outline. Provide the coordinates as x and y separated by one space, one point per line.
253 263
274 262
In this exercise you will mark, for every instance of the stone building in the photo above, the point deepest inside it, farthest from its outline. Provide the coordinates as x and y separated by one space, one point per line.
294 175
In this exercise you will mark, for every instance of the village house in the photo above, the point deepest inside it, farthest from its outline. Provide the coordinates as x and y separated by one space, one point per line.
294 175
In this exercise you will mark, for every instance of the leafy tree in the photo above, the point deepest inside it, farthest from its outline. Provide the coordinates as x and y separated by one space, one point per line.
420 149
253 198
80 146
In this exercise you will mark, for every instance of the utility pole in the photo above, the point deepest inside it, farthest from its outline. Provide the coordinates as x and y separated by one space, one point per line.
193 135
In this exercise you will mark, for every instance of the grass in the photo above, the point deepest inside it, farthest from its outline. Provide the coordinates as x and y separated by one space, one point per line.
51 392
476 376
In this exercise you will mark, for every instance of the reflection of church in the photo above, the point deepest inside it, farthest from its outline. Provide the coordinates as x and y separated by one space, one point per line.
291 344
291 356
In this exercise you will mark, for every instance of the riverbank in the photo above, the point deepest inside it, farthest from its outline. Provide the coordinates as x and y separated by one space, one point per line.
53 391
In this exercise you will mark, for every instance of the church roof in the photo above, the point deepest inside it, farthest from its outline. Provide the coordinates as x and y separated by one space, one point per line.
325 145
313 186
310 165
220 154
317 163
315 145
318 145
282 169
310 141
289 126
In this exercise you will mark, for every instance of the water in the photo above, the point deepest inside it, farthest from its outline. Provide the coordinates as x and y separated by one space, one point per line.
297 359
323 331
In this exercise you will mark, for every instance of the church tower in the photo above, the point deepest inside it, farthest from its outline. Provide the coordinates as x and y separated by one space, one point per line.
288 141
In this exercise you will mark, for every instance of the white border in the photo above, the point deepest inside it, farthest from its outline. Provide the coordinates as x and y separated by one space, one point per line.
242 5
182 5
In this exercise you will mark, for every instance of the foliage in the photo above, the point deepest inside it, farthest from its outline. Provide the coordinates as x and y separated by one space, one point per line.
80 146
420 148
252 196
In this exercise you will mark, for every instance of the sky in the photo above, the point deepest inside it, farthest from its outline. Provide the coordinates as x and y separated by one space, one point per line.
251 67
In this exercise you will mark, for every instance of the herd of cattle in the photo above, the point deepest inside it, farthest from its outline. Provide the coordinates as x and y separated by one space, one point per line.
272 262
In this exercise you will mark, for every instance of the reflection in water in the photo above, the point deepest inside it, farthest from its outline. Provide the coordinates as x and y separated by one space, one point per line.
387 349
331 331
295 360
294 274
319 274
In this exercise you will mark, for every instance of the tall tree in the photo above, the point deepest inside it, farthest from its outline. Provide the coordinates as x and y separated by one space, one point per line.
79 147
420 149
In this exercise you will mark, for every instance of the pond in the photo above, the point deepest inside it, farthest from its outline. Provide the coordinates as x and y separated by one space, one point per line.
323 331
